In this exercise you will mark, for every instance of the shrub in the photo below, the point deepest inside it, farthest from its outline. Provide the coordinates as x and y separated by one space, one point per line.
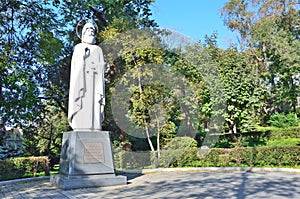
182 153
287 156
282 120
264 136
132 160
292 132
284 142
20 167
179 152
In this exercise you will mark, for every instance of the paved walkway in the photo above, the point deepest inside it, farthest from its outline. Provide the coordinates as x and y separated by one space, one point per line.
172 185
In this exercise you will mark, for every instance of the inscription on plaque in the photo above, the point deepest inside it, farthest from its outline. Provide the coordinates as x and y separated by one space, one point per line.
93 153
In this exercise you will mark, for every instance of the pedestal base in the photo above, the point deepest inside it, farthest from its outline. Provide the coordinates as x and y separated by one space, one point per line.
76 182
86 161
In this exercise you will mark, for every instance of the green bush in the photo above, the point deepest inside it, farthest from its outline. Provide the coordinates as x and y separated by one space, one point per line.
179 152
24 166
132 159
182 152
264 136
282 120
292 132
278 156
284 142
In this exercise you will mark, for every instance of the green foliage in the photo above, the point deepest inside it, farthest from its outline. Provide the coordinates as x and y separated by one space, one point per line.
258 77
285 156
202 97
21 72
46 138
152 107
49 134
167 133
282 120
274 133
284 142
179 152
292 132
270 36
36 46
240 89
132 160
182 152
21 167
264 136
224 143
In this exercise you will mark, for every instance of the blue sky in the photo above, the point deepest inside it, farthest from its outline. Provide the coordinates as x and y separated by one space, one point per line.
193 18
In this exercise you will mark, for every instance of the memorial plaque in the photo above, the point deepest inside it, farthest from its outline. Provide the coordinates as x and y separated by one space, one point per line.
93 153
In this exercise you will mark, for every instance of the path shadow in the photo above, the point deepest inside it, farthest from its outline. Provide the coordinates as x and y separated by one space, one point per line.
218 185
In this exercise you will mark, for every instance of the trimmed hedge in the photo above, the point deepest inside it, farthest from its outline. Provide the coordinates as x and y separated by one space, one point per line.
254 138
292 132
280 156
132 160
20 167
179 152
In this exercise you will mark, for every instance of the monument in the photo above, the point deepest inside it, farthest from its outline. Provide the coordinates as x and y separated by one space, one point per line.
86 157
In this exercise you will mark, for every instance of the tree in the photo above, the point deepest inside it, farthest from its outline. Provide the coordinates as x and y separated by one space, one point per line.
51 124
137 52
269 31
21 66
239 82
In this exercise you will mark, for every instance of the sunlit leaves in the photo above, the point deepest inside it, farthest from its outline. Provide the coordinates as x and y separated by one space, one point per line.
269 34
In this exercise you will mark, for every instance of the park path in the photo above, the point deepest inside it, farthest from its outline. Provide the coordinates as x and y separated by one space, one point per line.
172 185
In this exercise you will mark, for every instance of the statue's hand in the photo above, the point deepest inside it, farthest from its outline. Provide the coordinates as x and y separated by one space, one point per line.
86 52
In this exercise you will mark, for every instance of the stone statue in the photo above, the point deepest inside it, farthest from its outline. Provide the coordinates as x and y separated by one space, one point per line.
86 158
86 94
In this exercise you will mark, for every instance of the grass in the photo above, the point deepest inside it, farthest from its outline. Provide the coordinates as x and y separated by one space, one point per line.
266 128
284 142
13 176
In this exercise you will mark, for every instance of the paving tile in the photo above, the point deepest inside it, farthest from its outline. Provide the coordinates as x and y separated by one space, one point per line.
172 185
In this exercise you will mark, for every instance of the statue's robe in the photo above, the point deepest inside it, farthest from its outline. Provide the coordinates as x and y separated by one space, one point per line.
86 94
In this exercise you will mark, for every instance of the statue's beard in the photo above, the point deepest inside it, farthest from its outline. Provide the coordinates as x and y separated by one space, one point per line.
90 39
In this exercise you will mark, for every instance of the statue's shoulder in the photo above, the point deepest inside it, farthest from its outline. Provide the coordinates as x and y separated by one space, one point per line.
95 46
84 45
78 48
80 45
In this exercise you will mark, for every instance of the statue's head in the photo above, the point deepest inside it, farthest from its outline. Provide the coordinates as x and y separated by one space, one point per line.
88 34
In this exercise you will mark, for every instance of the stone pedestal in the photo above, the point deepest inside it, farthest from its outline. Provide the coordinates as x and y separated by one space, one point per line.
86 161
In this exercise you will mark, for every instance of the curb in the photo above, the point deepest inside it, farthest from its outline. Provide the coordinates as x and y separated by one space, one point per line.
24 180
209 169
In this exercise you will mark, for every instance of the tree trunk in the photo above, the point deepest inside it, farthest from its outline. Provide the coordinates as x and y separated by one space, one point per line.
232 128
50 141
190 124
148 138
158 140
294 95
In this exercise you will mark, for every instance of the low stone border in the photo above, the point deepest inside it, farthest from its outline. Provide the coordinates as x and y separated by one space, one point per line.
8 182
209 169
